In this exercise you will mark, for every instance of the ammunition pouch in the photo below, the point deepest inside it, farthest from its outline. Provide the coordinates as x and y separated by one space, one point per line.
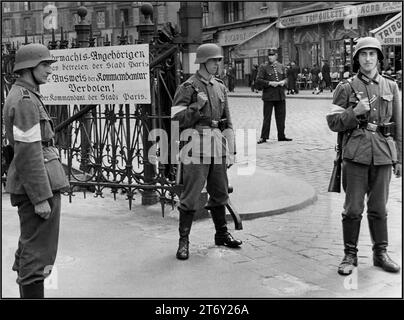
386 129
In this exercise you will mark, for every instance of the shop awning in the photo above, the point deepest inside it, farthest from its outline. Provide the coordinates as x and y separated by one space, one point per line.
390 33
265 39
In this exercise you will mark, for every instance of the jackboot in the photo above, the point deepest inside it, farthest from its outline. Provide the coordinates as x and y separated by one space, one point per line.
350 232
222 236
33 290
186 218
379 236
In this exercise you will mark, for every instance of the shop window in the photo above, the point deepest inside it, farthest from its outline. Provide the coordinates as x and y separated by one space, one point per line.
27 25
205 14
6 7
7 27
233 11
124 16
100 19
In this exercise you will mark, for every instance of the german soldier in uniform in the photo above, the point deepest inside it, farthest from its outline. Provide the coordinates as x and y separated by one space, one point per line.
271 78
367 109
35 176
200 106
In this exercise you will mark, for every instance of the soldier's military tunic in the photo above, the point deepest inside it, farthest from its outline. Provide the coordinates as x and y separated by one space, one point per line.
35 174
273 97
367 154
206 156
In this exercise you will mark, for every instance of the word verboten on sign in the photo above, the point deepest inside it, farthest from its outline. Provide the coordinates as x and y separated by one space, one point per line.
100 75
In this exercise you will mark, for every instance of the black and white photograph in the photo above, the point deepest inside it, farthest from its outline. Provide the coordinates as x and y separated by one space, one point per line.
201 155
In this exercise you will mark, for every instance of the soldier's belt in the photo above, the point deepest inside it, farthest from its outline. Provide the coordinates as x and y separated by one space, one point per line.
385 128
221 124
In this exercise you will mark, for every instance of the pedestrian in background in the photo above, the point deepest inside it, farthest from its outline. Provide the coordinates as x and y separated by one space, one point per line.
325 71
224 75
254 73
315 78
201 104
272 79
232 78
365 108
292 72
35 176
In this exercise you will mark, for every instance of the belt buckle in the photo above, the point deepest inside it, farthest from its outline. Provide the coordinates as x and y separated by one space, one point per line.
215 123
371 127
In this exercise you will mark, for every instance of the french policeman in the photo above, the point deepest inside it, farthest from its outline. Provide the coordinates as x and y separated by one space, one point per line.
201 108
35 177
367 109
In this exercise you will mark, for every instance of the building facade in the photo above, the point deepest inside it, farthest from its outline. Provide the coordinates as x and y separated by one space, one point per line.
313 31
229 23
106 19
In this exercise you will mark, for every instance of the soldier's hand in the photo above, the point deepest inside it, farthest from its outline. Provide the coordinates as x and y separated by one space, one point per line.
275 83
397 170
362 107
202 98
43 209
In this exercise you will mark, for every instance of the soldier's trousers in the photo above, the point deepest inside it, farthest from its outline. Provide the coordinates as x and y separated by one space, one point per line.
194 178
280 116
38 241
359 180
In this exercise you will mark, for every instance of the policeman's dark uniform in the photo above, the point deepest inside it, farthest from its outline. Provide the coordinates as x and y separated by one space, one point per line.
210 149
368 155
273 97
35 174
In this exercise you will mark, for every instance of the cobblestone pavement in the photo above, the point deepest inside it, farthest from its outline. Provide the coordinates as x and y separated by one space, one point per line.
290 255
307 244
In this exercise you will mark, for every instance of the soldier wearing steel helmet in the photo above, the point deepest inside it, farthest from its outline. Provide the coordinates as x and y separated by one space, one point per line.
367 113
201 108
35 176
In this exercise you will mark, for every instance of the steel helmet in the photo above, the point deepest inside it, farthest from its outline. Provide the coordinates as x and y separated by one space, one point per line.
368 42
30 55
208 51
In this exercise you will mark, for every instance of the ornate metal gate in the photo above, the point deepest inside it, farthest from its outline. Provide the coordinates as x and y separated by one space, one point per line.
107 146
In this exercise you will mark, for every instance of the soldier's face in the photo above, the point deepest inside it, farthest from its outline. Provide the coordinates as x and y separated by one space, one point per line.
42 71
212 65
272 58
368 59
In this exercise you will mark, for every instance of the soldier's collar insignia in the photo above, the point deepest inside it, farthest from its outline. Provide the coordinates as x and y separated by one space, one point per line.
365 79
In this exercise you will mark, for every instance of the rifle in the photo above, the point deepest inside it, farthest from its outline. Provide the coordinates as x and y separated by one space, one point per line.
238 225
335 181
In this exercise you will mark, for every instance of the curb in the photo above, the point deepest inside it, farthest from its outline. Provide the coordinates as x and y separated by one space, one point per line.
287 97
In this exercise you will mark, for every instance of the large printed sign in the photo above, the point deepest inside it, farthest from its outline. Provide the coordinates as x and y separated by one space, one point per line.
99 75
361 10
390 33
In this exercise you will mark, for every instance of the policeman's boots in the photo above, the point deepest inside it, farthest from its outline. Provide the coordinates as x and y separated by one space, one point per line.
33 290
378 234
185 224
222 236
350 232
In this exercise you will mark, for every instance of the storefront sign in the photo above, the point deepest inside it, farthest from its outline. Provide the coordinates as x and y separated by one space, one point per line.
366 9
236 36
390 33
99 75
